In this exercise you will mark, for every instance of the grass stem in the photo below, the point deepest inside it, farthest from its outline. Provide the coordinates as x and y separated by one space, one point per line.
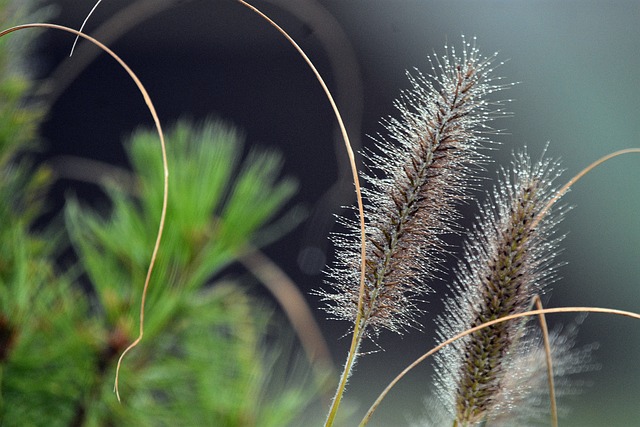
470 331
549 360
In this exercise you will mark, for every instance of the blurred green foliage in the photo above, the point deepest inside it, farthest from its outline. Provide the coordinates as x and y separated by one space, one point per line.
209 356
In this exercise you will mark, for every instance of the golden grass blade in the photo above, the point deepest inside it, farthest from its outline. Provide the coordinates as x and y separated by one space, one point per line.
356 330
538 312
549 360
579 176
156 121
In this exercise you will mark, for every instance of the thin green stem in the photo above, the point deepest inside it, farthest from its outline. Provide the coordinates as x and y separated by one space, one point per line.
358 333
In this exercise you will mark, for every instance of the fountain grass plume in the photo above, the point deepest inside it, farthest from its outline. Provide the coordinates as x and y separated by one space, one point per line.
417 175
507 262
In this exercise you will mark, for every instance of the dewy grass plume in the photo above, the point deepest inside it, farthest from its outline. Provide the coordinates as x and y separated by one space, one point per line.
508 260
417 175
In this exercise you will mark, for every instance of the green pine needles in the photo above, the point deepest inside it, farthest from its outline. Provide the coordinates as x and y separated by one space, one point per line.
215 355
59 345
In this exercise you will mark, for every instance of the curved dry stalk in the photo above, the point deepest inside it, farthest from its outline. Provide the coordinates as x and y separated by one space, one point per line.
578 177
92 171
549 360
470 331
347 80
357 327
156 121
86 19
115 27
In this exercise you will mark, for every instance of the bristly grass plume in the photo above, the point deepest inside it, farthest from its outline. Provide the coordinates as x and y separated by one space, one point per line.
508 260
417 176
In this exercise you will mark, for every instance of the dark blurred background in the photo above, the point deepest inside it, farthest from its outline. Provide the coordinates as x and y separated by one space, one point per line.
577 64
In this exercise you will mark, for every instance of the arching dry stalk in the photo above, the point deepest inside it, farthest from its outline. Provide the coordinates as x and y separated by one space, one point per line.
549 361
329 96
506 263
434 350
163 213
361 224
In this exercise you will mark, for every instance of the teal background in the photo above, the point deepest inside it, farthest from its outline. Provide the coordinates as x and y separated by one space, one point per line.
578 68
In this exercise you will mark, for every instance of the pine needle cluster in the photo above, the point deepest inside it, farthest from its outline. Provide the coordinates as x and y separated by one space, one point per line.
211 357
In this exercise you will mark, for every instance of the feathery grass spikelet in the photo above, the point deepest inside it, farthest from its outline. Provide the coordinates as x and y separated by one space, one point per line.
417 176
507 261
524 396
